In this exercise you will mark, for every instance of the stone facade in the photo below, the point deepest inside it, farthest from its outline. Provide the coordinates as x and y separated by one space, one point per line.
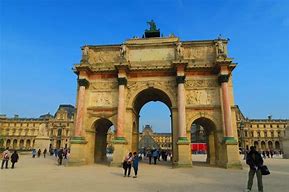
265 134
28 133
193 78
285 143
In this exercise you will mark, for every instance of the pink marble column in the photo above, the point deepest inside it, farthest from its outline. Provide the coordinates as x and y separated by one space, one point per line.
80 107
223 79
181 107
121 107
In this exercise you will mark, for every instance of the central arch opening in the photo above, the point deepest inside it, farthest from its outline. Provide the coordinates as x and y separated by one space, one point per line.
153 126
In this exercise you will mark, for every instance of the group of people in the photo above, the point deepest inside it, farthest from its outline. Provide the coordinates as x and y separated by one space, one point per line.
6 156
157 155
131 160
38 153
60 154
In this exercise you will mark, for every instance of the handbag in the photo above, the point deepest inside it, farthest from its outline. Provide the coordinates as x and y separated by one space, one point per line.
264 170
124 164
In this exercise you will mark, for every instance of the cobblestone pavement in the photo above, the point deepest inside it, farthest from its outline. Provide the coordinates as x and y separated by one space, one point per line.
41 175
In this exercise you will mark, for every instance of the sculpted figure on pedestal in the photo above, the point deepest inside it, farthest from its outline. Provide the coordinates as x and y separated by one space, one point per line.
85 54
180 51
122 52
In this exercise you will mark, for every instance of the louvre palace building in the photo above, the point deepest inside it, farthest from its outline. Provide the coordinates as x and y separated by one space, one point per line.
21 133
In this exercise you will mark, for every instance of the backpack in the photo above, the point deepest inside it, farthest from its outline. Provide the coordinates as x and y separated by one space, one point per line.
6 156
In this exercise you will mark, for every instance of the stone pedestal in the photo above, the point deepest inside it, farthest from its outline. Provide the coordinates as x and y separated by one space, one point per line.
184 153
77 151
42 142
119 153
231 154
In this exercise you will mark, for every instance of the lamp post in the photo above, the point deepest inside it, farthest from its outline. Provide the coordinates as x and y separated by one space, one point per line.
242 134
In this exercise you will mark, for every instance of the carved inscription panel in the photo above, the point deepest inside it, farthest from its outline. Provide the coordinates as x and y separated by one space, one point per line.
193 84
151 54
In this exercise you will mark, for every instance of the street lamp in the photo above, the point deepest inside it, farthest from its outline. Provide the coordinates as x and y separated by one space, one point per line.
242 125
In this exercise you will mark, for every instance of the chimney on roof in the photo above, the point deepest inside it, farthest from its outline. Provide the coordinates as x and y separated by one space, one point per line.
16 116
270 117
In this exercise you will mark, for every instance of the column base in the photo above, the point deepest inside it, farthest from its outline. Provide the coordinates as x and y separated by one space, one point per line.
77 155
120 151
231 156
230 141
184 153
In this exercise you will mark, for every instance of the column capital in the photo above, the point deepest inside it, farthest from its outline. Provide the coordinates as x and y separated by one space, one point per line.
83 82
180 79
122 81
223 78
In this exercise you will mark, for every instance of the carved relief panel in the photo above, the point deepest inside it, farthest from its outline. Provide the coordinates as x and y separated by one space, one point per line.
202 97
102 99
102 56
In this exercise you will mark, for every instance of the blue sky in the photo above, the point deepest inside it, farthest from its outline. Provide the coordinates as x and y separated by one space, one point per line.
40 41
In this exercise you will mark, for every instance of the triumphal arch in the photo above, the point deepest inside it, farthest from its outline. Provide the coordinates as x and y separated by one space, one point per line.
193 78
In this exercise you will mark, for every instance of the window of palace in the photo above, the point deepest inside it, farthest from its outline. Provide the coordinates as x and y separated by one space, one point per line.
257 125
252 134
265 134
279 133
271 126
277 126
258 134
59 132
246 133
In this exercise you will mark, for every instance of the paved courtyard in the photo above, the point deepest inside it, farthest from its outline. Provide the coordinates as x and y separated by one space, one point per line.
41 174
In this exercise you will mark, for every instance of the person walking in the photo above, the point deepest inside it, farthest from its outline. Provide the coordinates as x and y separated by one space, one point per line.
255 161
135 161
33 153
44 152
60 156
14 158
127 164
155 156
149 155
39 153
5 158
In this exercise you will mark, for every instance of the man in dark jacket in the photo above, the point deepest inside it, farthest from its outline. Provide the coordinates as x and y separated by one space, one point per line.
60 156
255 161
14 158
